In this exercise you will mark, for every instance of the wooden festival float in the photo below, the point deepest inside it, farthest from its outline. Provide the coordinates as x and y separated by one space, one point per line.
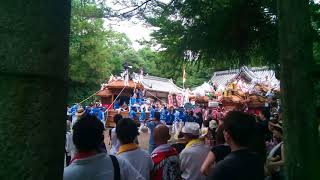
155 89
241 88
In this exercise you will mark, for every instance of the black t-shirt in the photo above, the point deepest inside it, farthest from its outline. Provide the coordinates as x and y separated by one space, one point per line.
263 128
239 165
179 146
220 151
278 152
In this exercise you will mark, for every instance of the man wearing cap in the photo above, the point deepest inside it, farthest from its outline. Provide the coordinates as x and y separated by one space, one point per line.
194 154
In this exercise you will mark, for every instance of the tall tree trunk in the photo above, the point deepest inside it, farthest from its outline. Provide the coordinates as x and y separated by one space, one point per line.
301 127
33 69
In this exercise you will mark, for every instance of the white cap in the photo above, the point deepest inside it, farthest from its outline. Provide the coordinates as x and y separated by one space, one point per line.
213 124
191 128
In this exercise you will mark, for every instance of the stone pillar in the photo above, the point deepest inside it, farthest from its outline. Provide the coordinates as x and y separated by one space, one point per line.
34 38
301 136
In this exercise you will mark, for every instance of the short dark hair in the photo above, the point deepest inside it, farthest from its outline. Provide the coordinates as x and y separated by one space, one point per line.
157 115
88 133
266 113
117 118
127 131
219 135
240 126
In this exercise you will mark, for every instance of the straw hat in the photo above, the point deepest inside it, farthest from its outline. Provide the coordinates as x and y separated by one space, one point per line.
80 112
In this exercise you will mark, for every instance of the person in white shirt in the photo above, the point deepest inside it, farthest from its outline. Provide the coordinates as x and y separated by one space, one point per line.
194 154
127 132
69 146
115 144
90 162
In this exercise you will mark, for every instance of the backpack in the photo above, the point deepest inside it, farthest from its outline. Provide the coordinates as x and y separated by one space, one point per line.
170 168
116 167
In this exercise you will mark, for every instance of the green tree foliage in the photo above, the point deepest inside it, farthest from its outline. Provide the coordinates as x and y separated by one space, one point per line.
95 52
157 63
214 30
87 50
211 35
220 33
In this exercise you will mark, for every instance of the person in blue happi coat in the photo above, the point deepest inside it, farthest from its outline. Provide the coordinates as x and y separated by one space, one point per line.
133 100
116 104
94 110
190 117
133 113
142 101
163 114
142 119
182 115
101 115
72 111
152 111
138 101
170 116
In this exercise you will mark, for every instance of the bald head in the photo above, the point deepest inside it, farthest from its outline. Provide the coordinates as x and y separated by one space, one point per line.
161 134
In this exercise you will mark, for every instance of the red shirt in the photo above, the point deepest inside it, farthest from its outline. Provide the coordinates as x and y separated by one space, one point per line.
157 158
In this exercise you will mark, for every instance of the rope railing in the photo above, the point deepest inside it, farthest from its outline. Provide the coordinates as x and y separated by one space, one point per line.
88 97
93 94
117 97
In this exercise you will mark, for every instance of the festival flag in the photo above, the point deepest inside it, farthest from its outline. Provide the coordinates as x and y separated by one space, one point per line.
184 74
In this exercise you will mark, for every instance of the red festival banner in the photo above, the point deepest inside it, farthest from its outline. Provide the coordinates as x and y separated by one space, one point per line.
179 98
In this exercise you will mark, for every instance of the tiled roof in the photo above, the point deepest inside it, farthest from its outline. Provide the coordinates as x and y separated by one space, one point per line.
151 83
253 75
119 84
104 93
154 83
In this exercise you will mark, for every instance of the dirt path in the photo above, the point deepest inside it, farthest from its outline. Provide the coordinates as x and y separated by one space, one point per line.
143 140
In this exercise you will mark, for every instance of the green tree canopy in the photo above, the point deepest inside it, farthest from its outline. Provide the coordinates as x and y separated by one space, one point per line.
95 51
